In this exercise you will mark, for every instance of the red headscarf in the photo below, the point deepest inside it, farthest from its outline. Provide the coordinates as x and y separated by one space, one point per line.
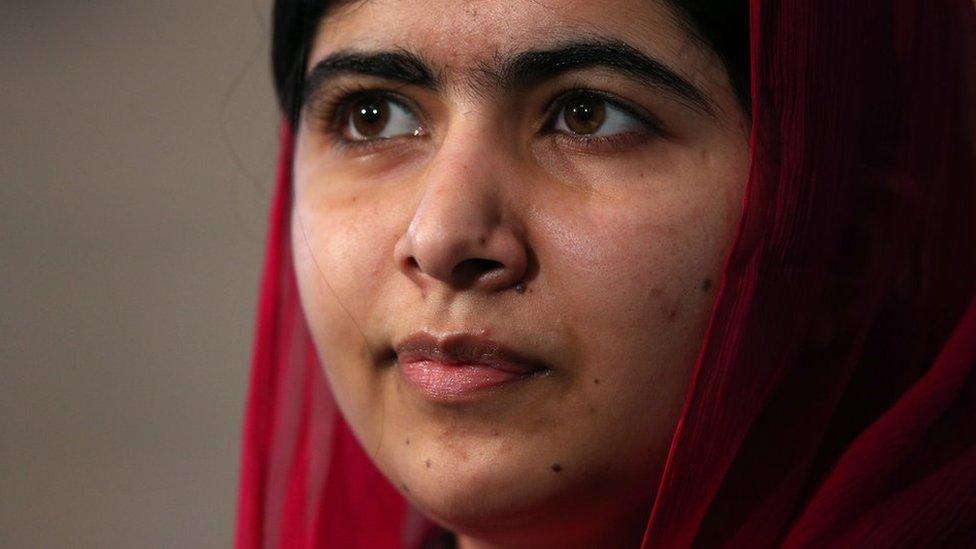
834 397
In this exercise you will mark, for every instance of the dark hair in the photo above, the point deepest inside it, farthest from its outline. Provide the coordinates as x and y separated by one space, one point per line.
722 25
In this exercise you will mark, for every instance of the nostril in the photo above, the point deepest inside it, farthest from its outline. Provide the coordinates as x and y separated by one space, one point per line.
469 270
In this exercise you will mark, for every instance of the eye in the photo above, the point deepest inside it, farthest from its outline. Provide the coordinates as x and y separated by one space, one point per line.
375 116
587 114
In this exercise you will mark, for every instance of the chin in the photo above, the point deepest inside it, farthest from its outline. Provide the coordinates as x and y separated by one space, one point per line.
488 487
509 508
470 483
485 503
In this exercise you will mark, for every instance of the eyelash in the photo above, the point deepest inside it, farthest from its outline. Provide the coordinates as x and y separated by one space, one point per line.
333 111
555 108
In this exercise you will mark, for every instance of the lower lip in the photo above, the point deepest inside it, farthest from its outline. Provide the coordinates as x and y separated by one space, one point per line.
452 382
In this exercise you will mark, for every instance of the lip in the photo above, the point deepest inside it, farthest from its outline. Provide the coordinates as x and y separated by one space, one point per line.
460 366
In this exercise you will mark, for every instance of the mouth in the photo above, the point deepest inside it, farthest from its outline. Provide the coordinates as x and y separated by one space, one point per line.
462 367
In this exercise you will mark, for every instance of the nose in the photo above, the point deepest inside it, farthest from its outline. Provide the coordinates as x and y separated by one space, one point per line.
462 234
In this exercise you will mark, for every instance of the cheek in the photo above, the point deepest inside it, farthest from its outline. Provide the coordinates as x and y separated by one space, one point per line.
639 277
339 257
634 267
632 278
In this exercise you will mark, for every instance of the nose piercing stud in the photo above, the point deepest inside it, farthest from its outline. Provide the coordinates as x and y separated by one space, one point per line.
520 288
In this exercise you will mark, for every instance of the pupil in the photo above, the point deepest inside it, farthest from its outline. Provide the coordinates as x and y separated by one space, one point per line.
370 113
585 115
583 111
370 117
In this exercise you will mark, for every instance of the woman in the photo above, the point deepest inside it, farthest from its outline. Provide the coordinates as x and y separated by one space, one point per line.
589 274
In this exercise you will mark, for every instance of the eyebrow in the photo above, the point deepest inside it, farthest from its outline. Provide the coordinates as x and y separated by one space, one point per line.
520 71
400 66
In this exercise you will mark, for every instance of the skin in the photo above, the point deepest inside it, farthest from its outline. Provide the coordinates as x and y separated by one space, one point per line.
620 249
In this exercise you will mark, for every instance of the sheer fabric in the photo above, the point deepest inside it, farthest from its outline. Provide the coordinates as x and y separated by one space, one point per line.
834 397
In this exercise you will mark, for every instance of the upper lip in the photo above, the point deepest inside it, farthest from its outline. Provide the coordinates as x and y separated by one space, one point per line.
465 349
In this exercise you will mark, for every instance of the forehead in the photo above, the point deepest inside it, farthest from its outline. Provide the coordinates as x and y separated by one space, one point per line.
464 35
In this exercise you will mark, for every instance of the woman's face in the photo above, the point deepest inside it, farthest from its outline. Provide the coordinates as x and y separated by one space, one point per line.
509 223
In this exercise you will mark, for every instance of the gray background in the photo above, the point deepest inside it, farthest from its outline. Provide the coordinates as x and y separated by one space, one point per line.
137 144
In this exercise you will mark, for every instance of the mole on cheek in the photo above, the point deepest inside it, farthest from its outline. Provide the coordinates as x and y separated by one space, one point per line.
556 467
427 463
706 284
669 312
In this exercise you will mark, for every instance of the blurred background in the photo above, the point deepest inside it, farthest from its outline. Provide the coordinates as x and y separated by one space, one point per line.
137 144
